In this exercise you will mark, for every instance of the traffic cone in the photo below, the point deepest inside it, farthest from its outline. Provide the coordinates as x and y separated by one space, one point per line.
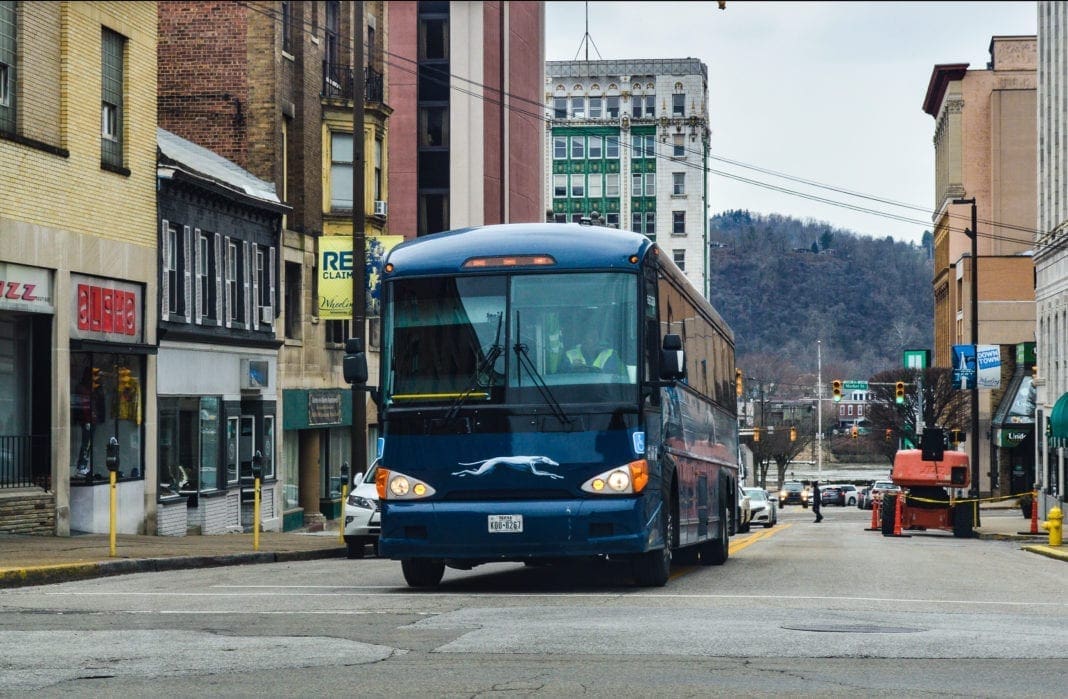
874 517
1034 511
897 513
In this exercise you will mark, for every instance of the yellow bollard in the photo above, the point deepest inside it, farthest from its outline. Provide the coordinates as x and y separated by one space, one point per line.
1055 526
111 522
341 517
256 516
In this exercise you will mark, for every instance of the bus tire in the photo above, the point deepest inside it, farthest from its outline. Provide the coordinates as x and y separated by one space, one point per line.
886 512
423 572
715 551
652 568
354 547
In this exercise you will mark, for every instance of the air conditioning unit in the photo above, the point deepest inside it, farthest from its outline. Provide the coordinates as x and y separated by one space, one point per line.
380 208
266 315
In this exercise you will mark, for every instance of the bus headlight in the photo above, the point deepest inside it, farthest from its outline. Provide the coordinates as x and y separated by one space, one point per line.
622 480
392 485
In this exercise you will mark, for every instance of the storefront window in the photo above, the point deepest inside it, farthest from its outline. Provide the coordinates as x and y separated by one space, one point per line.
231 450
106 403
291 473
337 453
188 444
268 446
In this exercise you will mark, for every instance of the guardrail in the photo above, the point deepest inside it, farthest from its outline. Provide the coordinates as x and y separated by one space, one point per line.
25 462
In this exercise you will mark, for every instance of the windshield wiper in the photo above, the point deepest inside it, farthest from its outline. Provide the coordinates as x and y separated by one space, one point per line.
483 368
523 359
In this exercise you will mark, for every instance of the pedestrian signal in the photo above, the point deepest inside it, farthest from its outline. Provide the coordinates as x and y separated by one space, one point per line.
739 383
836 390
899 392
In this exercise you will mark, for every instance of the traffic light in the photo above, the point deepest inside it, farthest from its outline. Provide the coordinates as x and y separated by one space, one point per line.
125 379
756 434
793 434
739 383
855 432
97 379
899 392
836 390
889 434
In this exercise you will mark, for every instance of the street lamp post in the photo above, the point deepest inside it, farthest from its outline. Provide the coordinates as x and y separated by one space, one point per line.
971 233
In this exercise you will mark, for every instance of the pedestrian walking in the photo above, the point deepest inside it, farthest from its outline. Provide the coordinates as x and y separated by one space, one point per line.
817 500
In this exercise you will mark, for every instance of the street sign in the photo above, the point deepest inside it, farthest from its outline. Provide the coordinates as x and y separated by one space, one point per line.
917 359
855 385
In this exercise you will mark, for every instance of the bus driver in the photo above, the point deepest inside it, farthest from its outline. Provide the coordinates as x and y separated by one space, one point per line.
592 353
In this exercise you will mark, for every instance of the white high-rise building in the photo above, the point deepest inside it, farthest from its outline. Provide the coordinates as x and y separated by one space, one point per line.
627 147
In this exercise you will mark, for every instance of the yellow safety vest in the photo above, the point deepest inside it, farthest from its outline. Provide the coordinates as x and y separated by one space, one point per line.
574 355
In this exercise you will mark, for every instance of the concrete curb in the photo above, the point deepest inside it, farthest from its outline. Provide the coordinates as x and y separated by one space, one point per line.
67 572
1048 551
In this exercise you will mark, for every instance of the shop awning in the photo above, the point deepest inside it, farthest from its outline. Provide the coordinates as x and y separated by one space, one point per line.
1014 419
1058 423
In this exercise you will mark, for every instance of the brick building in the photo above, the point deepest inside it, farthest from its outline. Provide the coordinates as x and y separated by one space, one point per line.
268 85
78 257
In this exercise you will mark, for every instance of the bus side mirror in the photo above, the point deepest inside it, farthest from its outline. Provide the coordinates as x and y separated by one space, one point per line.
354 365
672 358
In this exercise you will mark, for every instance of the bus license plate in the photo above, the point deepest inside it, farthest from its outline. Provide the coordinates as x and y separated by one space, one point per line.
506 524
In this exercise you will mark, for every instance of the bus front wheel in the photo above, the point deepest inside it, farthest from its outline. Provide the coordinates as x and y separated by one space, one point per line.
652 568
423 572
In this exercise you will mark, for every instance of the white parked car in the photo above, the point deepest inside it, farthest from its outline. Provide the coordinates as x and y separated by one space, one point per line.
362 516
744 515
762 507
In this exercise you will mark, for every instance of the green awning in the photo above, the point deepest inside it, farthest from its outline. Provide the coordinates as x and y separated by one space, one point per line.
1014 418
1058 423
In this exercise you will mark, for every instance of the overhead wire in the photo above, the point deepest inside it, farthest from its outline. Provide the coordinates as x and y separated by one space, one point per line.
538 111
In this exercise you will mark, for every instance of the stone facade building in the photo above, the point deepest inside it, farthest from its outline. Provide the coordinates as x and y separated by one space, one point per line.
985 149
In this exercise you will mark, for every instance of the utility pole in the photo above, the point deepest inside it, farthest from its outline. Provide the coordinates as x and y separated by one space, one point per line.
358 433
819 409
972 233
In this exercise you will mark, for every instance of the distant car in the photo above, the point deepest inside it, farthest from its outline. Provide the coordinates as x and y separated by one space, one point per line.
877 490
863 495
745 511
362 516
763 507
792 493
847 495
829 494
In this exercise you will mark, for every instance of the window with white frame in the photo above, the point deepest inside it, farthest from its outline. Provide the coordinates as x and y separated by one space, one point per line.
678 183
578 147
650 223
636 181
650 146
340 170
637 146
612 220
678 145
611 147
611 184
636 222
559 147
650 106
232 286
650 184
679 258
174 270
595 108
559 186
578 107
559 107
576 218
595 149
678 223
578 185
612 106
678 104
560 218
595 185
112 51
205 276
636 105
263 285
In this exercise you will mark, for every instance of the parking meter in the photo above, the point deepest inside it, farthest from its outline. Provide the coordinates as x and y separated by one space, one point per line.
111 459
257 465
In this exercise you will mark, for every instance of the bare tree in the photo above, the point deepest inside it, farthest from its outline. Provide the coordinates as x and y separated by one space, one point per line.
943 406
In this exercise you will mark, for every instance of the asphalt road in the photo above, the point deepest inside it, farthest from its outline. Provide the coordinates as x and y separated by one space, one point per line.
799 609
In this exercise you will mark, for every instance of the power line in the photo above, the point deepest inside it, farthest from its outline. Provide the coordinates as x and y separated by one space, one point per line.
442 77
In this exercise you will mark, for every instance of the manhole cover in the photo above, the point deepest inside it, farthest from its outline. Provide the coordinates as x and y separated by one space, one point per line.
853 628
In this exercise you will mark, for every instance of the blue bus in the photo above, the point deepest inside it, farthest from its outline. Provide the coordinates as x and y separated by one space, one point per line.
549 392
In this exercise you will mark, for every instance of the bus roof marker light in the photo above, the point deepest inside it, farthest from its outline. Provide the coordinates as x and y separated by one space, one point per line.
509 261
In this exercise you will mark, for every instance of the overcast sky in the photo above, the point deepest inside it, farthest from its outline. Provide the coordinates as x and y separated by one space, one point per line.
829 92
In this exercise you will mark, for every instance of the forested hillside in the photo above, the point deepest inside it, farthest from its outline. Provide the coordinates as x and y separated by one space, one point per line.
783 284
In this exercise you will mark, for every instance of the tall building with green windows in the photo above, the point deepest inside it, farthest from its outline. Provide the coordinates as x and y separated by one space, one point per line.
627 147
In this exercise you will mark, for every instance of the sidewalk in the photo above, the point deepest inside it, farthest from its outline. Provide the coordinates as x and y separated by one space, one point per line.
39 560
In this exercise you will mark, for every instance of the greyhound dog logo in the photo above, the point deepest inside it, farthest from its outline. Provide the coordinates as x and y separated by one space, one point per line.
522 464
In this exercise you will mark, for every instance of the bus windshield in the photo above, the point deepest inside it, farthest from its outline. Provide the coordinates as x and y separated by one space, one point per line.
496 338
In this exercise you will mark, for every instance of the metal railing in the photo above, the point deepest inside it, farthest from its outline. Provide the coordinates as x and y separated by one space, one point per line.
337 83
24 462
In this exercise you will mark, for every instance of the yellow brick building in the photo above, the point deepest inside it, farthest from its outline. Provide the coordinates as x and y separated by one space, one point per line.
78 260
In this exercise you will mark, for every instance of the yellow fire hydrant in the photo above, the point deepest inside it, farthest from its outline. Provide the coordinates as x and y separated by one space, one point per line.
1055 526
